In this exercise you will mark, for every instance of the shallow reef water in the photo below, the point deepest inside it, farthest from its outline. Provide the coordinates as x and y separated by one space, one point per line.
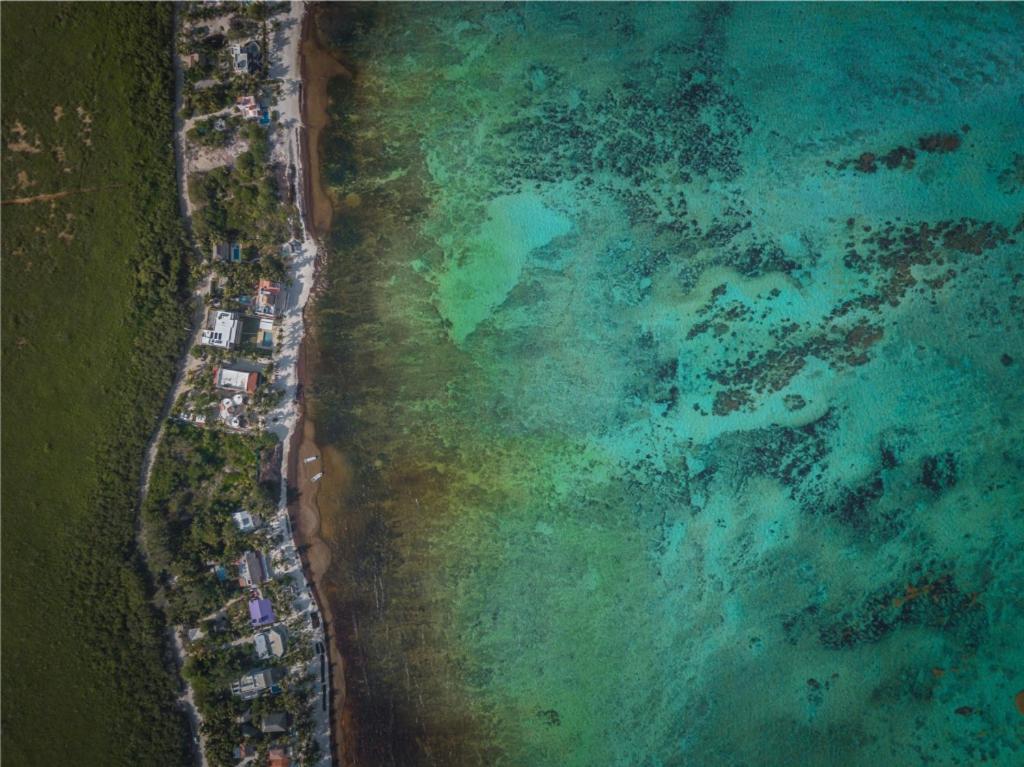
676 352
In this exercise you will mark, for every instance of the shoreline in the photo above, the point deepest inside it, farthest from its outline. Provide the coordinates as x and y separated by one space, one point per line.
293 147
303 508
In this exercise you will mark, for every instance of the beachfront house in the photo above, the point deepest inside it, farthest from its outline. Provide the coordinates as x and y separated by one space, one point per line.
243 521
261 612
271 643
239 60
257 683
268 299
248 107
236 380
228 252
252 569
220 251
245 59
275 723
265 334
222 330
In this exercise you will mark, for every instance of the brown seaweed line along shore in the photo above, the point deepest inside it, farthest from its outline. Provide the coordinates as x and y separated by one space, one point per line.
303 508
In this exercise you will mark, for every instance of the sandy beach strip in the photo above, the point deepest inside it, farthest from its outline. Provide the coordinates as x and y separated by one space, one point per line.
305 496
289 146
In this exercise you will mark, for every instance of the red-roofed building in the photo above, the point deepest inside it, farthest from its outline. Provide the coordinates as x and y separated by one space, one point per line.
267 296
248 106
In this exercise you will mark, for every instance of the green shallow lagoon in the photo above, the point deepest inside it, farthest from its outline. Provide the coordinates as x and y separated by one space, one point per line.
677 354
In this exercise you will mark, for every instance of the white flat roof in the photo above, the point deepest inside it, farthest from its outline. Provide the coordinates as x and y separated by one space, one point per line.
229 378
262 650
224 332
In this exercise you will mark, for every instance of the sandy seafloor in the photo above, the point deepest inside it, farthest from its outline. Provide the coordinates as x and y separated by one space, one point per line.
674 356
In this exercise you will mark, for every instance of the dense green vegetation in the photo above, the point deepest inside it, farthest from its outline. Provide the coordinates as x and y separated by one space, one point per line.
206 133
243 202
243 11
212 99
220 85
203 476
93 317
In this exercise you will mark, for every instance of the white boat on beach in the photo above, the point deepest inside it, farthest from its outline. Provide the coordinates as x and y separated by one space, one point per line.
310 459
316 477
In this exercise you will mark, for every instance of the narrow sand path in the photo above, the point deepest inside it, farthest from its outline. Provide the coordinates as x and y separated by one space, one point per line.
56 195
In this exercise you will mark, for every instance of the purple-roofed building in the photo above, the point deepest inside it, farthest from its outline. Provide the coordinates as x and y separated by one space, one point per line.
260 612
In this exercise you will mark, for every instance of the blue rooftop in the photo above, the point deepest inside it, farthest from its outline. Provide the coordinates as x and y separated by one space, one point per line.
260 612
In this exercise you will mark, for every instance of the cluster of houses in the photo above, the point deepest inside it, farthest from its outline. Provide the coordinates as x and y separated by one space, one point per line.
227 329
270 643
230 330
244 58
241 58
239 335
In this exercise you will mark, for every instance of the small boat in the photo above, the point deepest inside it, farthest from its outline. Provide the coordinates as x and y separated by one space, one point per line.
316 477
310 459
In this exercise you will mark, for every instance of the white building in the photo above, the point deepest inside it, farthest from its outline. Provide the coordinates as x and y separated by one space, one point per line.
235 380
243 521
225 331
257 683
248 106
239 59
272 642
265 337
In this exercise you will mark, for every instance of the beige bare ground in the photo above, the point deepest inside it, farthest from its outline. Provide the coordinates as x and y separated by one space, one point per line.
20 144
54 195
203 159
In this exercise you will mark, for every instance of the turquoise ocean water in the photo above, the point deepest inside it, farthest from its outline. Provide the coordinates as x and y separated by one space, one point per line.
677 351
